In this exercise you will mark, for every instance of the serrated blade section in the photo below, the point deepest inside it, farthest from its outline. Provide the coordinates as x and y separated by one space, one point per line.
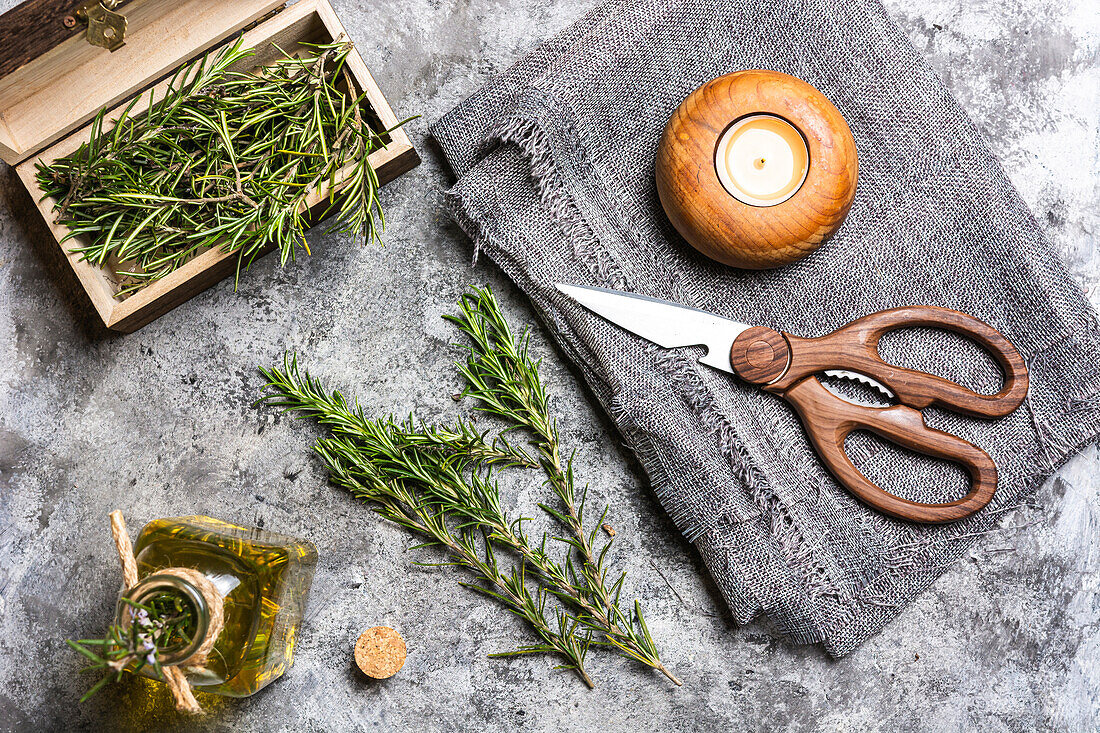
862 378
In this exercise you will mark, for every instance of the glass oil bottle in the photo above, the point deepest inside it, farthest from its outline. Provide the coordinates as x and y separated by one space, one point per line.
263 579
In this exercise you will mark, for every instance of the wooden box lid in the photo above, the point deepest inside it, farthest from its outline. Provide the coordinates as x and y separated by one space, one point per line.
53 81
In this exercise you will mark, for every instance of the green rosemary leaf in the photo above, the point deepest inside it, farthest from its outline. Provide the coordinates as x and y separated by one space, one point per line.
96 687
79 647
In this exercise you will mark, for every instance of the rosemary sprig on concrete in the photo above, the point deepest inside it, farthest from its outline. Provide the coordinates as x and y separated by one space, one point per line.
438 483
429 482
166 622
228 158
504 379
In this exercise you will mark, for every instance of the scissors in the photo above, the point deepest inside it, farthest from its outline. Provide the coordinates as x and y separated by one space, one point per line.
788 366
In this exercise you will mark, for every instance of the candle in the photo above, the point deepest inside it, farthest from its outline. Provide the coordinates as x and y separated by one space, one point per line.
756 169
762 160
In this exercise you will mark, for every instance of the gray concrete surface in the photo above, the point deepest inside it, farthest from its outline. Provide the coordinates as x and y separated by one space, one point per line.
160 423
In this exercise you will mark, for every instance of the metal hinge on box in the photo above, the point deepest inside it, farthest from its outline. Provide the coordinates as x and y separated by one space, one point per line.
106 28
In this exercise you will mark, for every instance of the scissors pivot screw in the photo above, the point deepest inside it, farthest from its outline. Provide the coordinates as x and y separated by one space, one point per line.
760 355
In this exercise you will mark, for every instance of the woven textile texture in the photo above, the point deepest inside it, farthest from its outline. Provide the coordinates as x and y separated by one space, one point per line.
554 165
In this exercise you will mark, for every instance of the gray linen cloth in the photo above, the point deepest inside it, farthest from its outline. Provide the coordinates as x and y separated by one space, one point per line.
554 164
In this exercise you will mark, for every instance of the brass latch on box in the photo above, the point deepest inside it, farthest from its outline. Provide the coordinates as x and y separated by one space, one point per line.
106 28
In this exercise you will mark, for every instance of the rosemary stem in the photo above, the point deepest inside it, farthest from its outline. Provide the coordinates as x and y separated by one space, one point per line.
505 380
471 562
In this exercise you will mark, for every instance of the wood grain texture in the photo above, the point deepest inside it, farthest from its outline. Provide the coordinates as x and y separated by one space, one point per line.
855 347
35 27
61 90
785 365
829 420
760 355
720 226
307 21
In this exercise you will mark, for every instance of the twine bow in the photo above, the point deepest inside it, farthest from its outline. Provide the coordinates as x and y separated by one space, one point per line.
173 675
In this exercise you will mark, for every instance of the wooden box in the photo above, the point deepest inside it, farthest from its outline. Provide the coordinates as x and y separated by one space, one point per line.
53 82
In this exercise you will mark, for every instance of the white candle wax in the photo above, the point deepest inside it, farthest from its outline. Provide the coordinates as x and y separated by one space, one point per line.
762 160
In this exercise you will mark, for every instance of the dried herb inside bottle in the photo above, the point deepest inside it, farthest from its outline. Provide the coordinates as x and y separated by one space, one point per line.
206 605
228 158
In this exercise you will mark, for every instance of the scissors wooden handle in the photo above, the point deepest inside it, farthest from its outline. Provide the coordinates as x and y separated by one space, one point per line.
785 365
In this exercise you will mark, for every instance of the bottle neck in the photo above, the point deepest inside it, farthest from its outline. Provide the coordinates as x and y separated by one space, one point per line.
149 588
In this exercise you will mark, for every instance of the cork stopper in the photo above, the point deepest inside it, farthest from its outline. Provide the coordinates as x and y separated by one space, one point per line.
380 652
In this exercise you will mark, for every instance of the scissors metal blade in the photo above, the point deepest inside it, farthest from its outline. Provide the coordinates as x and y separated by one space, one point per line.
662 322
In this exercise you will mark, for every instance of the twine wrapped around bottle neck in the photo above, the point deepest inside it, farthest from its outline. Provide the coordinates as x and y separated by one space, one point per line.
173 675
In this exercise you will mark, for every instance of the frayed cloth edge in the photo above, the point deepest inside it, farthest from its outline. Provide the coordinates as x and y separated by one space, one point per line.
530 139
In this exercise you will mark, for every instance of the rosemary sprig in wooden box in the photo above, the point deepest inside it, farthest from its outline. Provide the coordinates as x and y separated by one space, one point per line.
228 159
196 208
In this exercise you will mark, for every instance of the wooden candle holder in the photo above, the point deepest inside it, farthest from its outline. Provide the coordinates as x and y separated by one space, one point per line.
719 225
56 82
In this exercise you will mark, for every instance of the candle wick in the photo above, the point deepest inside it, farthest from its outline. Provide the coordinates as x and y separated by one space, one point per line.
759 163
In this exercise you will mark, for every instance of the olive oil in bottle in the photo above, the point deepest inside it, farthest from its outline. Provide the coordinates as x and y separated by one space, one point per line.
262 579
